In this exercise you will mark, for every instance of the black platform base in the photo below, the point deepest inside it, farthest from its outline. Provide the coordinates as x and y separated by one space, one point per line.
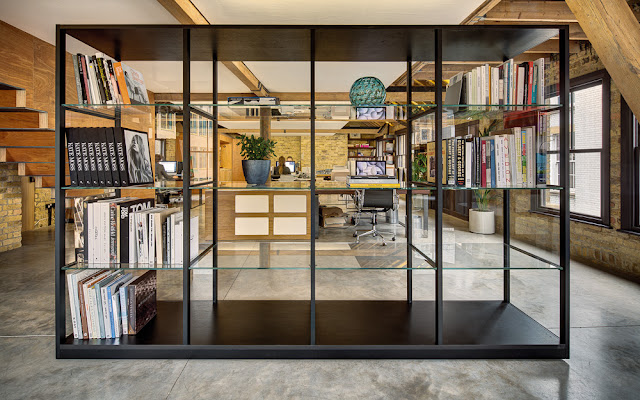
344 329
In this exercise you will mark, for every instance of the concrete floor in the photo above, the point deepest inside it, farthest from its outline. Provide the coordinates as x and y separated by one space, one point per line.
605 338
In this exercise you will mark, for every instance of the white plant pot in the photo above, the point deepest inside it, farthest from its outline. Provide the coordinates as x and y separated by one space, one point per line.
482 222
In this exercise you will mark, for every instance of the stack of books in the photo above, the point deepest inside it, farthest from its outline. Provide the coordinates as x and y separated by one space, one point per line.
108 304
100 80
130 231
504 160
508 83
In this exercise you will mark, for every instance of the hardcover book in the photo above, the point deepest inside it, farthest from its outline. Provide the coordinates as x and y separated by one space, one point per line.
142 301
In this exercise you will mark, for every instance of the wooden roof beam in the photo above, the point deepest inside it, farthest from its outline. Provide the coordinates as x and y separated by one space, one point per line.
184 11
538 11
242 72
575 31
479 13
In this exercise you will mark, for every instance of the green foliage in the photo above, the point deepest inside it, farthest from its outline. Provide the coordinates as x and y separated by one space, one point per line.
256 147
492 126
483 197
420 167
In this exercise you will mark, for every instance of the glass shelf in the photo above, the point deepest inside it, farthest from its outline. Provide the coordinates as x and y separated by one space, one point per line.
159 185
300 185
487 256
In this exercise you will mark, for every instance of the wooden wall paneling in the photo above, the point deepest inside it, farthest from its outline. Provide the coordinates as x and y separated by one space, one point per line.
28 203
16 59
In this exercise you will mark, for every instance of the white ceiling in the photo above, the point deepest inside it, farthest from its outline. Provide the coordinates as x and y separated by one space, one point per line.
39 17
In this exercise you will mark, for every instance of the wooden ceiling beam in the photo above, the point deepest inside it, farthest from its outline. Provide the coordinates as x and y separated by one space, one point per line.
242 72
613 31
480 12
575 31
184 11
538 11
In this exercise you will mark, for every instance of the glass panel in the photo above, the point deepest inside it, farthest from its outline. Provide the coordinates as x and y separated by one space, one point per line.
586 198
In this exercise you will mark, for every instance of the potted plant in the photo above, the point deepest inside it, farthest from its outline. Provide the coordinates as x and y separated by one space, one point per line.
481 219
256 165
420 167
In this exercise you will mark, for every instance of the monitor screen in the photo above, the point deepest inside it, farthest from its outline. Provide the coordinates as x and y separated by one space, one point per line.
169 166
291 165
369 168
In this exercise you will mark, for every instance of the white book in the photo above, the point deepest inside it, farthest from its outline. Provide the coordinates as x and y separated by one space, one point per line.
111 311
151 236
104 232
512 159
133 253
540 83
120 306
487 84
531 156
507 161
468 159
72 301
194 234
87 302
518 153
106 300
497 148
521 77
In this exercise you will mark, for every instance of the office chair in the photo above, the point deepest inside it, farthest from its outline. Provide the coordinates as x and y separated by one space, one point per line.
374 201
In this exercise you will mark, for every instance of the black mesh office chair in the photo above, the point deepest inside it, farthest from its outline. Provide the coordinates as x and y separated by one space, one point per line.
372 202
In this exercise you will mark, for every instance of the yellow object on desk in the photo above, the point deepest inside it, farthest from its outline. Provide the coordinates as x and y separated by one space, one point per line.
373 185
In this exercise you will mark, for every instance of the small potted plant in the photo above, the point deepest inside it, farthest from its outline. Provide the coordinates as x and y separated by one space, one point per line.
420 167
481 219
256 165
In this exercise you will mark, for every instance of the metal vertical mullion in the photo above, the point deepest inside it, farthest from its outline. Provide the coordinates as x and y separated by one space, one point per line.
409 195
216 169
314 206
564 192
186 178
439 199
506 238
60 323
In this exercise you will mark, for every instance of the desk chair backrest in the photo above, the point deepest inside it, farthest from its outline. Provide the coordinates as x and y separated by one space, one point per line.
378 198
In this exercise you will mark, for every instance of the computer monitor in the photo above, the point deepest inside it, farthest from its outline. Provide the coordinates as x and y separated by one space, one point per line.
169 166
291 165
370 168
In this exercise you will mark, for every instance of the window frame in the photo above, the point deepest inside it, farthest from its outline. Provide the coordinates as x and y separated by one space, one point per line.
584 82
629 169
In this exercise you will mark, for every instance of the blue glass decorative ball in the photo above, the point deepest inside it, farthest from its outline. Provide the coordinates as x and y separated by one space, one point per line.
367 91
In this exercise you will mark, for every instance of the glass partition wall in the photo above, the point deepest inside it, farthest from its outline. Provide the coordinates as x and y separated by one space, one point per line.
307 265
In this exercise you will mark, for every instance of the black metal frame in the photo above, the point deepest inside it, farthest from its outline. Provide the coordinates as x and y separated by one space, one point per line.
66 348
583 82
629 160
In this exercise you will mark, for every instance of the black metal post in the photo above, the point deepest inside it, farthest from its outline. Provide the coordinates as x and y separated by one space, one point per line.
314 205
60 148
186 179
216 169
564 192
506 238
439 194
409 179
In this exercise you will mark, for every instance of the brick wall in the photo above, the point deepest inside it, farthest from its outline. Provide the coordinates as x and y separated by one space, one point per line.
42 198
330 151
601 247
10 208
286 146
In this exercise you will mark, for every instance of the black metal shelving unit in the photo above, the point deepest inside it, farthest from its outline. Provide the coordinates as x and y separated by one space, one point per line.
322 328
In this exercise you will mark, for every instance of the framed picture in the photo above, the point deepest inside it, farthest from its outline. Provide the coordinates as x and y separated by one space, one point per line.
138 157
375 113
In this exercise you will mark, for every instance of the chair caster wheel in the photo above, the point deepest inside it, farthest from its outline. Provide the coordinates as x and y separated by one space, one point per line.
374 235
393 238
384 244
355 234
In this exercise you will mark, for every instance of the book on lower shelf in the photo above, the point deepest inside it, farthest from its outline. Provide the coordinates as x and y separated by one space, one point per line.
514 157
107 304
130 231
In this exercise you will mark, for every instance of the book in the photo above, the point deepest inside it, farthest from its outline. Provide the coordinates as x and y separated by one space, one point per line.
431 162
131 83
141 301
124 211
468 163
121 154
460 162
492 157
73 173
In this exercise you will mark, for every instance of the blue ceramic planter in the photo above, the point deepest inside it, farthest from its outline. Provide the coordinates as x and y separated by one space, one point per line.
256 172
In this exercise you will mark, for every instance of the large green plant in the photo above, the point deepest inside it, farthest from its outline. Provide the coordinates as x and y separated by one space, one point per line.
420 167
256 147
483 197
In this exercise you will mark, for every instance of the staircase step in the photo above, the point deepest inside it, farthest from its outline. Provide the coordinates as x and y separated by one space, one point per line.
27 137
39 169
13 98
5 86
23 117
27 155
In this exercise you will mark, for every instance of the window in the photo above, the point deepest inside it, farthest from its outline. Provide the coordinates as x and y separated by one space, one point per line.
630 169
589 152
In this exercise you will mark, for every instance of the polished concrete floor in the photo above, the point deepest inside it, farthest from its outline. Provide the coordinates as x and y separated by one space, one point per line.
605 339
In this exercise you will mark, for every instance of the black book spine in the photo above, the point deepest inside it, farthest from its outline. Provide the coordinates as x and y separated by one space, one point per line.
73 173
84 146
106 161
113 158
114 80
104 76
97 148
460 162
101 88
88 134
125 211
77 150
122 156
478 160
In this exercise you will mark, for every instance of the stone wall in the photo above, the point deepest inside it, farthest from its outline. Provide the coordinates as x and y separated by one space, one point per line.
599 246
10 207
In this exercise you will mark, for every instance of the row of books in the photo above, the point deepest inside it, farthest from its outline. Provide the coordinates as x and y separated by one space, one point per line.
108 304
509 83
108 157
131 231
506 160
100 80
